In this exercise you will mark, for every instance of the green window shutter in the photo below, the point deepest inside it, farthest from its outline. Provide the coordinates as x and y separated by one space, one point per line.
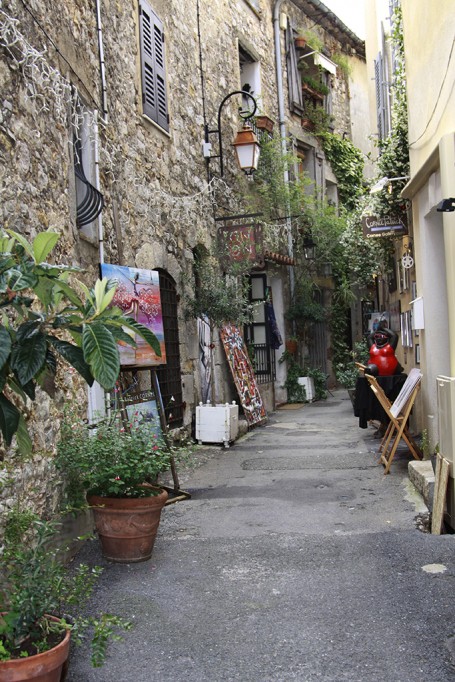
154 94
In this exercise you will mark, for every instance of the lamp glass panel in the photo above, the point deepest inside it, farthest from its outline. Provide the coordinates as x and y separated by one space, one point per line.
247 155
259 315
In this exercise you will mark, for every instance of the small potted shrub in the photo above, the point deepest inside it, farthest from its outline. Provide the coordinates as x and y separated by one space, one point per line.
37 591
114 465
296 392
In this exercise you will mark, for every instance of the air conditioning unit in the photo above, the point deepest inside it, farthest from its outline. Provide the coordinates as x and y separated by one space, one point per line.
446 423
217 423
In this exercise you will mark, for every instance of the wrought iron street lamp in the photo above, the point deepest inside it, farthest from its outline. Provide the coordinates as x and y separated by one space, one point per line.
246 143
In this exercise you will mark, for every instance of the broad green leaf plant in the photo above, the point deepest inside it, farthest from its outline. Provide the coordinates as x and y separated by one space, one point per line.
46 318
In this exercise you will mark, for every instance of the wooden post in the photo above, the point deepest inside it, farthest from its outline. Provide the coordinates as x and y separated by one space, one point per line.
440 492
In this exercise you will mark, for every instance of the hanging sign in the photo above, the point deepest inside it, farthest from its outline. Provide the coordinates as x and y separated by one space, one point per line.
241 243
383 226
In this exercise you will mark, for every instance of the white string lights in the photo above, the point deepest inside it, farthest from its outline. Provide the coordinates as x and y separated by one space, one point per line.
149 206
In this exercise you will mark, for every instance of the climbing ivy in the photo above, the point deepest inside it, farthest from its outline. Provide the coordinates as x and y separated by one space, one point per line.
347 164
394 155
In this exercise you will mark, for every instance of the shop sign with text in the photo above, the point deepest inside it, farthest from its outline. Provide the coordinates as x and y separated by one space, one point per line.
383 226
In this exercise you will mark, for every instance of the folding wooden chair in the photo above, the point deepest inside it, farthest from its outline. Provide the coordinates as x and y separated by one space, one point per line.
398 413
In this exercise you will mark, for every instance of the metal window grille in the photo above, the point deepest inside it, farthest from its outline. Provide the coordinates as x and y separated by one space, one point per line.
263 357
169 375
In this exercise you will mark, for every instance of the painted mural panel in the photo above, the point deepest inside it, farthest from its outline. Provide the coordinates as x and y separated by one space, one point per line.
243 374
138 295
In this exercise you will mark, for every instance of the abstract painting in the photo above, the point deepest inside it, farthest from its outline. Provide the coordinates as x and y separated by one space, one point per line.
243 374
138 296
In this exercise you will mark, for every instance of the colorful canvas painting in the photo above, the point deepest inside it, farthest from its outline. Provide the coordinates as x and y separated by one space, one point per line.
145 412
243 374
138 295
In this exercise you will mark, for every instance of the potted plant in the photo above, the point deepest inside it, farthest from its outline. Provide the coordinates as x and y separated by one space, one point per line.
300 41
114 465
37 591
347 372
292 344
296 391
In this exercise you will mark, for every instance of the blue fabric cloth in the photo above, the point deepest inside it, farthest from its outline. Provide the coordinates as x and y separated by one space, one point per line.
275 337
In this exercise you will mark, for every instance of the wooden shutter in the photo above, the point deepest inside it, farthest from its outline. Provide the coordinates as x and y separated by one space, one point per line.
154 94
380 106
294 79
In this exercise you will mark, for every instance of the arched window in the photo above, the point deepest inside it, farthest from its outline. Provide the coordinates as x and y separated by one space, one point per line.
169 375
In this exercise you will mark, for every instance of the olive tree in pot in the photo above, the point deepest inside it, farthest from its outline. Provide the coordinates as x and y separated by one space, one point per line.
220 297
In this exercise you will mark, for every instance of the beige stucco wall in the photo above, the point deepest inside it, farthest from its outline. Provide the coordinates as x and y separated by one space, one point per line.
430 67
429 29
376 13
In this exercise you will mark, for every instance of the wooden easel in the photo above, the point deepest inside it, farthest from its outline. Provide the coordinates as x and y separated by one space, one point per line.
177 493
398 412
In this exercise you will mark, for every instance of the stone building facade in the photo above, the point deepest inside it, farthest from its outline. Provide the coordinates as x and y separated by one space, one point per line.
107 104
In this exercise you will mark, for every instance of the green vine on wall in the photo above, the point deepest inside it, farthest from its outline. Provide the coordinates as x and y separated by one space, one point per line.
394 151
347 163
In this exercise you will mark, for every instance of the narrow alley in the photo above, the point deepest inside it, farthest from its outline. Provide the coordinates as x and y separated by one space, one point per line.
294 559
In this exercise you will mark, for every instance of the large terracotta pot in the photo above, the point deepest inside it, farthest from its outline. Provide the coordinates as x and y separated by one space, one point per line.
50 666
127 527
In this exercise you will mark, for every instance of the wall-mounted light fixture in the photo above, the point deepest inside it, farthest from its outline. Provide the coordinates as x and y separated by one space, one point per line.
246 143
446 206
309 248
384 182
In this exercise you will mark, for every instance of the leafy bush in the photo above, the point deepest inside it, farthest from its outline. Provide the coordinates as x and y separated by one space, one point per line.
110 459
45 320
34 583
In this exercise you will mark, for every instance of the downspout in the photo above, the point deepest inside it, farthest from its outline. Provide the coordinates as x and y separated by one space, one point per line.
96 394
447 164
103 119
102 63
282 125
99 219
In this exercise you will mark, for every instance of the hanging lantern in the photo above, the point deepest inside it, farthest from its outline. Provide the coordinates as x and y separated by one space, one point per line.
247 149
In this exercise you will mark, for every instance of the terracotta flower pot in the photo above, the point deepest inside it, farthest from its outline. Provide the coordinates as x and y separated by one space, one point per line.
291 346
49 666
127 527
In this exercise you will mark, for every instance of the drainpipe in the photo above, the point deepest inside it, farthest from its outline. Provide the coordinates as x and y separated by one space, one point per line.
102 63
104 117
447 164
281 119
99 220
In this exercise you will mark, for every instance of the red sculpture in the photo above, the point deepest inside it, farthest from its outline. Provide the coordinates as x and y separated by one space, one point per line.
382 343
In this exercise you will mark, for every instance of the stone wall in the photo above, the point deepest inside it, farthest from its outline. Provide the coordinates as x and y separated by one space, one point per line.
158 204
